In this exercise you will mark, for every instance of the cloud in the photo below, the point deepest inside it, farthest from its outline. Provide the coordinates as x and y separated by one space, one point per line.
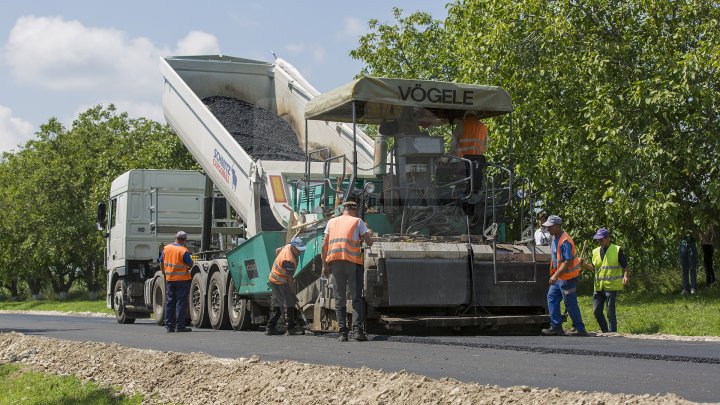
56 54
352 28
13 131
316 51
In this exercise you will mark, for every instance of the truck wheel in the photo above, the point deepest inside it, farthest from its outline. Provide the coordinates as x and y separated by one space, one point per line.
158 301
198 309
217 310
238 310
121 314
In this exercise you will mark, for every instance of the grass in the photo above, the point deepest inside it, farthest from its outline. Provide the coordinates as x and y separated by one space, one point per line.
74 304
28 387
696 315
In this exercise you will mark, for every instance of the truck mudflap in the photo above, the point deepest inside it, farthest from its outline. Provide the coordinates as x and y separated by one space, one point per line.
488 322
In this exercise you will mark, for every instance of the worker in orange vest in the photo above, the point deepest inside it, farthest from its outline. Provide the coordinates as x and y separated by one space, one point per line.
176 262
564 272
280 282
470 138
342 256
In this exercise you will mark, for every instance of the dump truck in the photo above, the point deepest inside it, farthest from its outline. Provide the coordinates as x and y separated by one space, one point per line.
441 257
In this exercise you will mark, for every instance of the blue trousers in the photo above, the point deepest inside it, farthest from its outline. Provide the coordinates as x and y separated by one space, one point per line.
564 290
601 300
176 300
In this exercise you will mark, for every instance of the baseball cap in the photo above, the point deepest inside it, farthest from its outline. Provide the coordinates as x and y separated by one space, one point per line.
601 233
553 220
181 235
298 244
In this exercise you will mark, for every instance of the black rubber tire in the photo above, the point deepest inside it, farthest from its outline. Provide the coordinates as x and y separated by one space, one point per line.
238 309
121 314
197 303
158 301
217 310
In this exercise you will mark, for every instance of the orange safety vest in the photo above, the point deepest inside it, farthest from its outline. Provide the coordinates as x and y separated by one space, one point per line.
341 245
573 267
278 275
173 265
473 140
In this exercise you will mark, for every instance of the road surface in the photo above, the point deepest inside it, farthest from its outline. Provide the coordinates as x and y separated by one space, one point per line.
612 364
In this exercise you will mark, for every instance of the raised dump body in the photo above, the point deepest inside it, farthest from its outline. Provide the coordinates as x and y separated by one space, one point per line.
276 87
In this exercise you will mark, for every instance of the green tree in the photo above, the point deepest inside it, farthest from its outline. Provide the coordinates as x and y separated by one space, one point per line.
615 105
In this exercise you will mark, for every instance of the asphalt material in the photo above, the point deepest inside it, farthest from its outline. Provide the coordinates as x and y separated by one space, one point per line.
613 364
262 134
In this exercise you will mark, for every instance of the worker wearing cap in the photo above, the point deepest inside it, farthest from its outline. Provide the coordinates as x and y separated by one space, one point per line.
611 275
564 272
176 262
470 138
280 281
342 256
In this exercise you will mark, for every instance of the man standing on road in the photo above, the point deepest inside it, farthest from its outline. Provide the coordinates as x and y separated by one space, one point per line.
280 281
564 272
343 258
176 262
611 275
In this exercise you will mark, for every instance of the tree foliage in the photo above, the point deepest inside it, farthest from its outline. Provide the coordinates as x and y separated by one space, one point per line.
616 105
50 188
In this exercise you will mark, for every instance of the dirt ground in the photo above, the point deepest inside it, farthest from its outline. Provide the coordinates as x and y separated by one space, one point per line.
197 378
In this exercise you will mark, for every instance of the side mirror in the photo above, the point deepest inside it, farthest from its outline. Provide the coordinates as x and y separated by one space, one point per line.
101 216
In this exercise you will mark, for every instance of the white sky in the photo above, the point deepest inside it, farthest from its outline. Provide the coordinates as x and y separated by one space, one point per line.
59 58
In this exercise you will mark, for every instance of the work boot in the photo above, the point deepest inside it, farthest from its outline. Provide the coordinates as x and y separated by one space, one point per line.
552 332
684 292
343 336
168 330
575 332
271 330
692 291
183 329
359 336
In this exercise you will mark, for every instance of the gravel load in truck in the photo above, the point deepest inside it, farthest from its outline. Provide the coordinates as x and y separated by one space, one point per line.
262 134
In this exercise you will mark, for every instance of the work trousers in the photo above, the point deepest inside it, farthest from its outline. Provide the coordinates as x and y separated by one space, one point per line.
564 290
283 300
176 300
708 251
688 262
344 273
601 301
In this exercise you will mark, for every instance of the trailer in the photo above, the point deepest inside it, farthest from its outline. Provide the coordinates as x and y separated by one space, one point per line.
441 257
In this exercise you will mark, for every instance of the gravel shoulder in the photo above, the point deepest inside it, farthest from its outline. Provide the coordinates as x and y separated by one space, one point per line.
197 378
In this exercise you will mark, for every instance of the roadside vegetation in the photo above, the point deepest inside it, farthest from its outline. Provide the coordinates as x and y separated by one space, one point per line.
18 386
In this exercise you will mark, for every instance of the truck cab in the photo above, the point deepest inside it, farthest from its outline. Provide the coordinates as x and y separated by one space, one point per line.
146 208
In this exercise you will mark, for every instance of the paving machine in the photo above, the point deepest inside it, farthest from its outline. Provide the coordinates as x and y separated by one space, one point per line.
440 257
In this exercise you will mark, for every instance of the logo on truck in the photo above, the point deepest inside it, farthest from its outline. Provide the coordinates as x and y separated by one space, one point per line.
419 94
224 168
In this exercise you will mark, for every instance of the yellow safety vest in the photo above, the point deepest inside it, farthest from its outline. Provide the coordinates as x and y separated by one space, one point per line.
608 272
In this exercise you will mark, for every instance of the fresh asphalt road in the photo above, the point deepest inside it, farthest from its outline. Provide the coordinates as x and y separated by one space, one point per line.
613 364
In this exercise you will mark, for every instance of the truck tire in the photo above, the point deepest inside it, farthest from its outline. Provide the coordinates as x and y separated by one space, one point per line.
158 301
196 302
238 309
217 310
121 314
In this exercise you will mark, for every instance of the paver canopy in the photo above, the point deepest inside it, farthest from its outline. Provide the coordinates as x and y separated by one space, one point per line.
380 99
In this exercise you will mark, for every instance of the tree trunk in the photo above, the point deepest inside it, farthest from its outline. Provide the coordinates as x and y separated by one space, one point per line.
35 285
